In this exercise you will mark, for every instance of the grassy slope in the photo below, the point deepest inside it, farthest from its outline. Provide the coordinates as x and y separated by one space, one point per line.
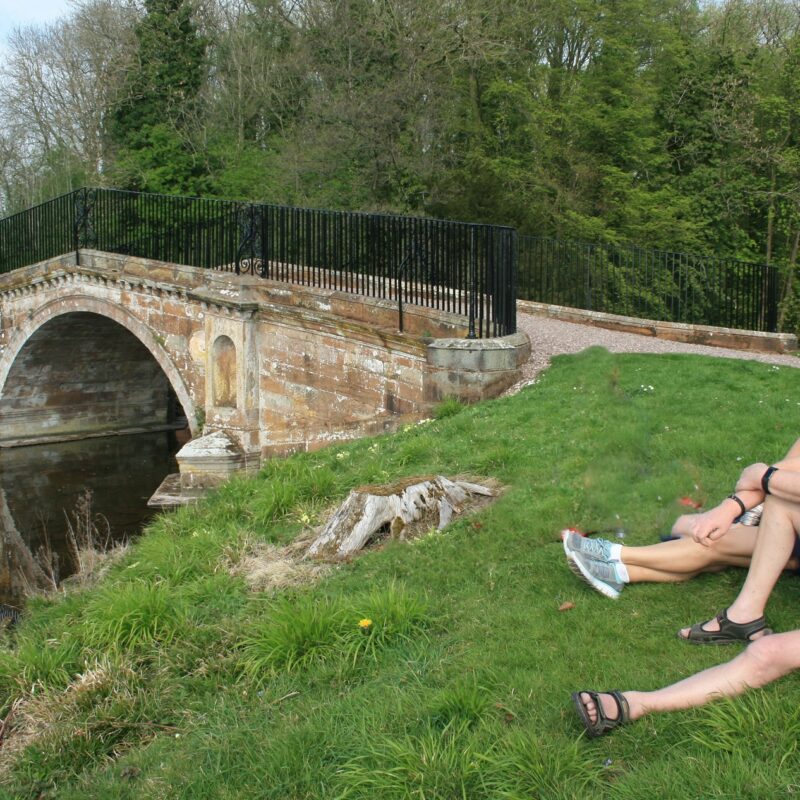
465 692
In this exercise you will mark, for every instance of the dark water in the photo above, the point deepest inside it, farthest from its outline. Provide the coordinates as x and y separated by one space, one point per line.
43 485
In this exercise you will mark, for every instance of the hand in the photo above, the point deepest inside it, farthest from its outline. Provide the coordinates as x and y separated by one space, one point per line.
711 525
750 479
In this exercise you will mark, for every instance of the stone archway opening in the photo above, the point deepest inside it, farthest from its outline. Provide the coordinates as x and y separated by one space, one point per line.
82 374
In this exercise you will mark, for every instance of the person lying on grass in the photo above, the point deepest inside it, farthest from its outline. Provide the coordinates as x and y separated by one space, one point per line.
708 542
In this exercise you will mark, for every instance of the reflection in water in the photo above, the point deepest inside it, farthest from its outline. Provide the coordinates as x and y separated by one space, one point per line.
40 486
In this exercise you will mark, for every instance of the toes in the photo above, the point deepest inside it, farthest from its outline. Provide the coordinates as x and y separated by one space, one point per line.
710 626
591 708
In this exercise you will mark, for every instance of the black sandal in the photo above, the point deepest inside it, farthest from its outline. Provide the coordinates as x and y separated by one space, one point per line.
729 632
602 724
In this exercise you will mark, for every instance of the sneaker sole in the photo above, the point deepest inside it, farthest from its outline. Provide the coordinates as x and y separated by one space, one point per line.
571 563
587 577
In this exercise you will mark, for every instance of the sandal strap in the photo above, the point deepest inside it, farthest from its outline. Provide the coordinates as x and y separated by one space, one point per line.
729 631
623 709
743 629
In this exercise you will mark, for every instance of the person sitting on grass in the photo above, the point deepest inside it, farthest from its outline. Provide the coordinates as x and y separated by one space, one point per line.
607 566
708 542
767 657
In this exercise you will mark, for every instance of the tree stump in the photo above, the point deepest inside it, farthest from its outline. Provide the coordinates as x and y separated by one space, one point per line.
392 510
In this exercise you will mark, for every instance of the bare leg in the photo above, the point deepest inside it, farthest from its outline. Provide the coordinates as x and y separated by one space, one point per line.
772 551
762 662
684 558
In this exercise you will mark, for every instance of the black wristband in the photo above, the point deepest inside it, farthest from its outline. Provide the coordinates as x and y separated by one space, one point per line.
739 501
766 479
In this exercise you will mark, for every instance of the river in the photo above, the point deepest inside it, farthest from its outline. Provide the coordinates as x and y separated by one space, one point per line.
42 485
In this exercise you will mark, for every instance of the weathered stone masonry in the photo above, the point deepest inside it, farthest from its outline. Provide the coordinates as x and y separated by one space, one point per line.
100 347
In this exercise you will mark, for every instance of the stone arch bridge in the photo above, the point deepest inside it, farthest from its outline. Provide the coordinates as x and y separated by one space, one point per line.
94 343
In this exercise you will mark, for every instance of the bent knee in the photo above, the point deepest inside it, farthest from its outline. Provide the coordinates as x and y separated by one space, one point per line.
769 658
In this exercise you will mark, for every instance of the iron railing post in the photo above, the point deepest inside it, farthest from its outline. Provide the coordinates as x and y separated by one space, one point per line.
473 284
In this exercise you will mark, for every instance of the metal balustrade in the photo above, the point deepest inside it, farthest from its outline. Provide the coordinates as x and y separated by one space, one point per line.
649 284
456 267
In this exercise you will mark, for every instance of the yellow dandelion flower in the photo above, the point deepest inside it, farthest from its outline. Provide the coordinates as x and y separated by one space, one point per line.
365 624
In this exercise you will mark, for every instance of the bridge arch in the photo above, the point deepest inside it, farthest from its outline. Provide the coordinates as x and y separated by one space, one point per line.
29 326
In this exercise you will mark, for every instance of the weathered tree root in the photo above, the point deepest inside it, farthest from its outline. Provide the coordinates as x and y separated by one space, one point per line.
372 510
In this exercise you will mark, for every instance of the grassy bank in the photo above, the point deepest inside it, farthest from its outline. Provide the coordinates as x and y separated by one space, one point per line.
174 679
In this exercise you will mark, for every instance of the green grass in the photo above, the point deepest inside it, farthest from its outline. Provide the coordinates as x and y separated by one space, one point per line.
460 686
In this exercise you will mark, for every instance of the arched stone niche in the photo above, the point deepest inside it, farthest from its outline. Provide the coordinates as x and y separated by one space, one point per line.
224 372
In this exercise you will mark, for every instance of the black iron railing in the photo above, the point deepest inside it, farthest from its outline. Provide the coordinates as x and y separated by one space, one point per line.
41 232
471 270
462 268
650 284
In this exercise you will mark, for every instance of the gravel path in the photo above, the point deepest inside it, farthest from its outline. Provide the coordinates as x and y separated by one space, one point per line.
550 337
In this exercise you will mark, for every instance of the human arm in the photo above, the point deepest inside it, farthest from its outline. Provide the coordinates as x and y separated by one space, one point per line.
706 528
709 526
794 451
784 482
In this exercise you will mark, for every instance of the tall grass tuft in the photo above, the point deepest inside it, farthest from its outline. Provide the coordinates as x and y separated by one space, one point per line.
295 633
524 766
436 765
52 662
385 616
750 724
449 407
127 616
466 700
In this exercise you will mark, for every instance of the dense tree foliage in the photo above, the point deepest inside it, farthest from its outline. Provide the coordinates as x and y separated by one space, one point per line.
151 125
670 123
